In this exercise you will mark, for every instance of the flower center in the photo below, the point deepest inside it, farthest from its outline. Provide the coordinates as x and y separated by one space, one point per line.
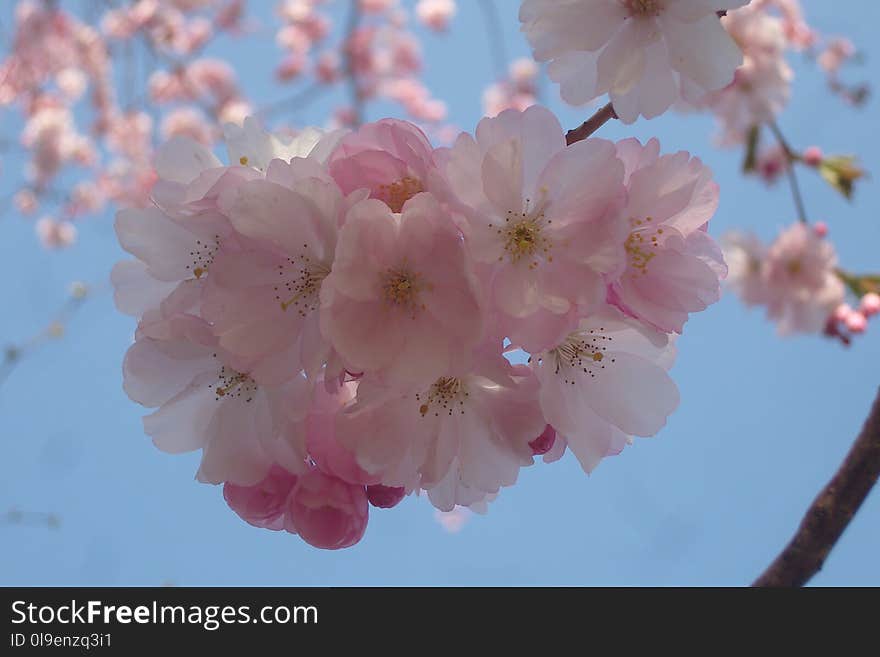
446 395
232 385
582 352
643 7
203 256
398 193
300 288
402 288
642 244
524 236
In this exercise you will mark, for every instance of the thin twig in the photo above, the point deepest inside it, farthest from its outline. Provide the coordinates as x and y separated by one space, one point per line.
588 127
792 159
297 102
357 100
13 354
497 47
831 512
30 518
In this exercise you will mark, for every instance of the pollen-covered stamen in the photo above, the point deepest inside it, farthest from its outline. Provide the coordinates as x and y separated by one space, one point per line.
398 193
643 7
446 395
642 244
403 288
301 278
524 236
203 256
582 352
233 385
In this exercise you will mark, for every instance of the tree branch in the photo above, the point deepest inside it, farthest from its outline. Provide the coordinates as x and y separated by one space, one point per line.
792 159
495 37
831 512
12 355
588 127
357 99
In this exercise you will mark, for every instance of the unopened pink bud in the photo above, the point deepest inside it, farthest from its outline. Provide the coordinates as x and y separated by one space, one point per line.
544 443
821 229
813 156
385 497
856 323
842 313
870 305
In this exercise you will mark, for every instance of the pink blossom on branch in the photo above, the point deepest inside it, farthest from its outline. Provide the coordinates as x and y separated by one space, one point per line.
325 317
644 53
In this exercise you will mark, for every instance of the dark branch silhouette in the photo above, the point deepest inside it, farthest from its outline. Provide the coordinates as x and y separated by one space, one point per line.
831 512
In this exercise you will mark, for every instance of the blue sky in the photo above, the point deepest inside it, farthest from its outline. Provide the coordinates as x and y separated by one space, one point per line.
763 422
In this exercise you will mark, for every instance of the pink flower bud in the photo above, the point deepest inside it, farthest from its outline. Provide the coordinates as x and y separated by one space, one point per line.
385 497
842 312
856 322
327 512
263 504
544 443
813 156
870 304
821 229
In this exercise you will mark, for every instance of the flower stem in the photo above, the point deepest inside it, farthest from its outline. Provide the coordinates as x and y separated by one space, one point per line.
793 158
588 127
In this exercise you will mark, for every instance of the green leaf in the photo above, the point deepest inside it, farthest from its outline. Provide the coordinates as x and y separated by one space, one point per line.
841 172
860 285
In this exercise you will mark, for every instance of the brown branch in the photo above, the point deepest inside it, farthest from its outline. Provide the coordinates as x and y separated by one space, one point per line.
831 512
588 127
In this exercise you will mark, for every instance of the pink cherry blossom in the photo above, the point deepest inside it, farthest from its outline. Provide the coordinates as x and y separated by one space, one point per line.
605 382
401 299
55 234
640 52
436 14
262 296
459 438
804 287
329 455
745 255
673 266
761 86
542 220
175 365
392 159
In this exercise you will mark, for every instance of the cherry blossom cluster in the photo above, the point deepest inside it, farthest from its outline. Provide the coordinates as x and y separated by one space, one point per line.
768 32
100 84
798 281
347 318
58 65
380 56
